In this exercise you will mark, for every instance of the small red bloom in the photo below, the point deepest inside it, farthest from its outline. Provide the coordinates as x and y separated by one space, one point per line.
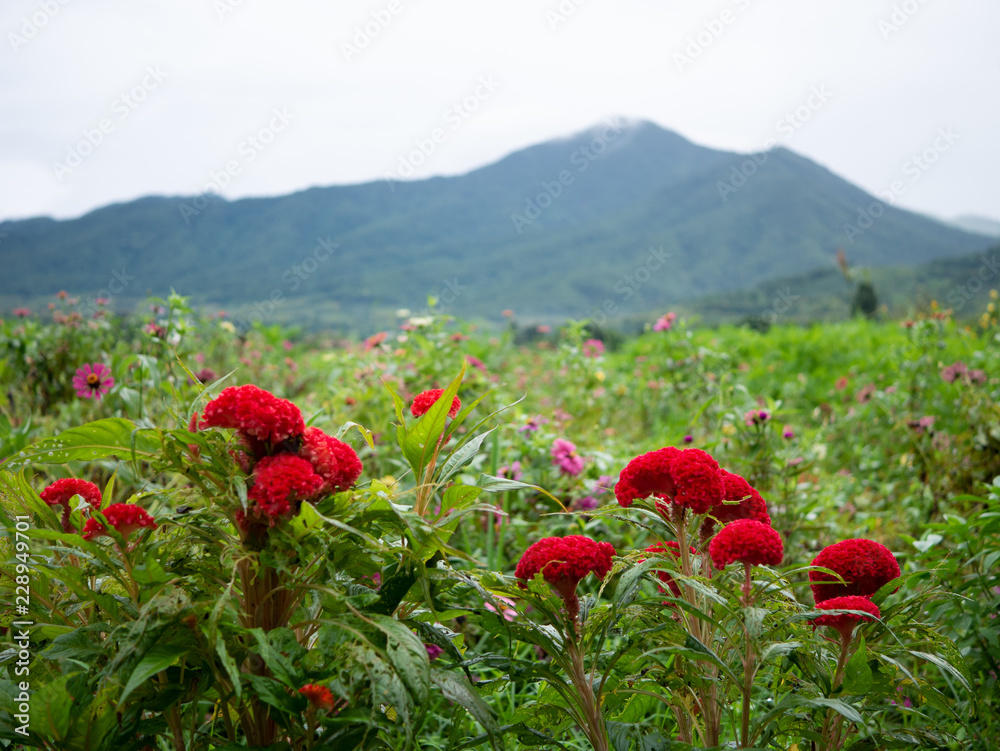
333 460
425 399
671 546
865 566
280 481
255 412
60 492
845 622
751 505
688 478
564 561
319 696
126 518
746 541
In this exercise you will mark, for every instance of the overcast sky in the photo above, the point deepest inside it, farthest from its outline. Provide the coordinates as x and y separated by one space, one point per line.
108 100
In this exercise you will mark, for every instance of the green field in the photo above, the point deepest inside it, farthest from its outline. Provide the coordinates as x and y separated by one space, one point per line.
200 633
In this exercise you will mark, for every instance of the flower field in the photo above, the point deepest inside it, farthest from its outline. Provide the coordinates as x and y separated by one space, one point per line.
453 536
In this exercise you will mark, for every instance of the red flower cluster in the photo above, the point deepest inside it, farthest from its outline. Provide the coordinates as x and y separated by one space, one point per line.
280 480
751 505
126 518
671 546
319 696
564 561
845 622
688 478
60 492
333 460
254 412
746 541
425 400
865 566
289 462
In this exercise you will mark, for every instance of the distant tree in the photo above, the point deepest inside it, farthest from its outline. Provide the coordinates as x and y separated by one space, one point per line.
865 300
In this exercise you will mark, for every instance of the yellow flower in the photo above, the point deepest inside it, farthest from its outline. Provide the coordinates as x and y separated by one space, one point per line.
227 326
728 429
994 294
991 307
599 375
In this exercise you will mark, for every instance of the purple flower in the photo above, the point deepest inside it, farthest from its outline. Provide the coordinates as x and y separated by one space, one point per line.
689 439
93 381
533 424
788 434
513 472
433 651
756 417
605 484
565 457
587 503
593 348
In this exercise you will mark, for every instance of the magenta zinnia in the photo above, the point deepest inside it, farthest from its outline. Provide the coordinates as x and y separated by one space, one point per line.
93 381
746 541
565 457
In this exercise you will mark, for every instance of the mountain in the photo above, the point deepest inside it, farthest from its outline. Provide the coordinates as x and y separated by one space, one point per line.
977 224
622 218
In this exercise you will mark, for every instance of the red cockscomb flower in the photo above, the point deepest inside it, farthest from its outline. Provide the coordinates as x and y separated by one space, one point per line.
564 561
865 566
254 412
751 505
845 622
319 696
671 546
688 478
746 541
280 481
93 381
60 492
333 460
126 518
425 400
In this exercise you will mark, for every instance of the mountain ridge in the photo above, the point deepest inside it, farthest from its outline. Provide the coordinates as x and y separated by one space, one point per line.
609 194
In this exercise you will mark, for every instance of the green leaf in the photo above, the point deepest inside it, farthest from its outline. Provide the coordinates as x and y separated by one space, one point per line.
837 706
857 673
230 666
160 657
456 689
421 440
51 710
112 436
462 456
946 666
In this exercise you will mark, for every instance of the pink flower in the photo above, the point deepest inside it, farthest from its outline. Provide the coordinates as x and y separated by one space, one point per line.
756 417
543 329
592 348
374 340
506 607
93 381
513 472
565 457
21 312
433 651
664 323
476 363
